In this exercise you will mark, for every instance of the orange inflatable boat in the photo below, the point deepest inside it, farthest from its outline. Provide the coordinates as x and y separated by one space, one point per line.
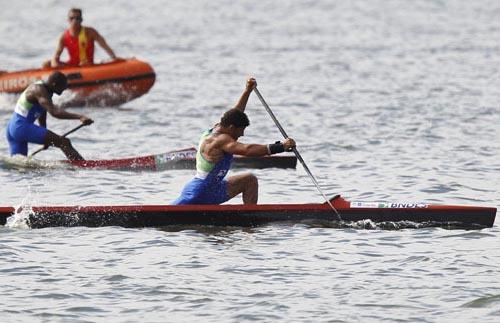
106 84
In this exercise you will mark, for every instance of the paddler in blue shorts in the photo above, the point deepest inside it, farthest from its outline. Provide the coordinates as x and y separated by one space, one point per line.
214 156
33 104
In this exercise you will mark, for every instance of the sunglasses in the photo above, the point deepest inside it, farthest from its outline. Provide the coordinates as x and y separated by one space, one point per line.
77 18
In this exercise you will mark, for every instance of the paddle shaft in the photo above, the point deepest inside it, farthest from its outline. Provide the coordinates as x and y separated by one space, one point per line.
295 151
64 135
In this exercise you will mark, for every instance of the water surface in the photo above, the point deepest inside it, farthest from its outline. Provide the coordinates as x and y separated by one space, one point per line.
388 101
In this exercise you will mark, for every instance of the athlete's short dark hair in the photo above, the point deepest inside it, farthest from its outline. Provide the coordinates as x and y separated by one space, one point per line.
235 118
58 79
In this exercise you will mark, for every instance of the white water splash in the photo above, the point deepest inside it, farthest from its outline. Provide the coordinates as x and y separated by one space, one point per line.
106 95
64 98
21 217
23 211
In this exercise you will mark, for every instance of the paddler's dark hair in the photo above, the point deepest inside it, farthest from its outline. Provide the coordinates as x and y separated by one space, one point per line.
58 79
57 82
235 118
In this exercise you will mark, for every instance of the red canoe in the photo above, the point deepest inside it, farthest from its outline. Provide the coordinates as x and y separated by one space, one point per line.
106 84
177 159
181 159
449 216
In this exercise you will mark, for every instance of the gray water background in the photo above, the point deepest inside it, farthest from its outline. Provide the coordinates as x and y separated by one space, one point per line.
388 101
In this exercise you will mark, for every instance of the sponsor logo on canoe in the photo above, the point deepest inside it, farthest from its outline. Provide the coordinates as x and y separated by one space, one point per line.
173 156
384 205
18 83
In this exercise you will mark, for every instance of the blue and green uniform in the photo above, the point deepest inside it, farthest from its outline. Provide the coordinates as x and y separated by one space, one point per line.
21 128
208 186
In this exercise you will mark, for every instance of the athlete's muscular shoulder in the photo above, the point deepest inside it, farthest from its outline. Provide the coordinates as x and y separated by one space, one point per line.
212 147
35 92
217 141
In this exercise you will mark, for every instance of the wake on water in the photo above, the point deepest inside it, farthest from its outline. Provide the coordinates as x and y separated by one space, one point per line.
23 163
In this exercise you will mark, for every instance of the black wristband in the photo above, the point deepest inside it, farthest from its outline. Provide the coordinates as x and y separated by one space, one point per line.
275 148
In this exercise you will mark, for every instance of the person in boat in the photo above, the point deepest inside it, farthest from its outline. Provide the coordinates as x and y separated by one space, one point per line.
214 156
79 42
33 104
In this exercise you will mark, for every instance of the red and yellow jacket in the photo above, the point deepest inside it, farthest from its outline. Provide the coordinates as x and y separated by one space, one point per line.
80 49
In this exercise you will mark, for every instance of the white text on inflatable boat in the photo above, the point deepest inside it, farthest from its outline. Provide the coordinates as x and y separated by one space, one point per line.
19 83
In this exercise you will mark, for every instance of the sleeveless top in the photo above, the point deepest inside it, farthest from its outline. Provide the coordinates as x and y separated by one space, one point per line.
80 49
208 171
28 110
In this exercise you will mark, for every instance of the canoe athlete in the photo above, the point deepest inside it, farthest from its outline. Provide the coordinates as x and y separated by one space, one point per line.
214 156
33 104
79 42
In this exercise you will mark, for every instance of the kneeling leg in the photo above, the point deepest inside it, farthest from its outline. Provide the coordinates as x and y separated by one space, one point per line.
245 183
51 139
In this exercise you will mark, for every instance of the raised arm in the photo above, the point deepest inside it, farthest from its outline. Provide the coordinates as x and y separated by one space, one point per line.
242 102
102 42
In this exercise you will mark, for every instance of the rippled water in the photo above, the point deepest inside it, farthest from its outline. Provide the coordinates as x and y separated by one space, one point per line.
388 100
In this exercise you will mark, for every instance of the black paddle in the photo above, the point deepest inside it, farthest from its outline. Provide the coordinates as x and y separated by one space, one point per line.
294 149
64 135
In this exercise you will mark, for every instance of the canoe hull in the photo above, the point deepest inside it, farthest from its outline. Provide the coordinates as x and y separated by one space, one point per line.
251 215
181 159
172 160
106 84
